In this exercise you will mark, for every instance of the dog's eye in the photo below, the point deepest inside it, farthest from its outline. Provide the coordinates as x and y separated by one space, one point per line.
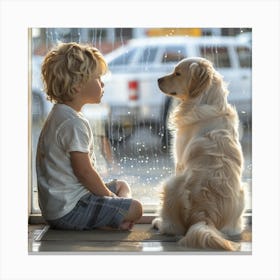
177 74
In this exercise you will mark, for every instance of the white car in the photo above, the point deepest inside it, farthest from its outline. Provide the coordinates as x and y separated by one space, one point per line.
131 89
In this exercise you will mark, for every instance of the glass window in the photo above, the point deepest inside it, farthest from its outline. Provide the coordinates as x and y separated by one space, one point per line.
173 54
123 59
219 55
148 55
244 56
132 142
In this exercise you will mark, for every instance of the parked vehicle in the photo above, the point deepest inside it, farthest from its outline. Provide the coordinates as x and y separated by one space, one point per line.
132 97
131 87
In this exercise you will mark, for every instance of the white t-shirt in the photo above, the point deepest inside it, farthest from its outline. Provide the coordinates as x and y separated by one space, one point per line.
65 131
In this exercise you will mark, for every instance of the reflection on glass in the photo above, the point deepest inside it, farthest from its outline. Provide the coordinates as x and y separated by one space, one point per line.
131 136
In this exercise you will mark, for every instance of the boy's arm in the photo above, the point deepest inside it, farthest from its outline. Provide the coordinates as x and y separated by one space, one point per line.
87 175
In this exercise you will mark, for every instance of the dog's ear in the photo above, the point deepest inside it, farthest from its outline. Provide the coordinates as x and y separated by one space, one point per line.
200 78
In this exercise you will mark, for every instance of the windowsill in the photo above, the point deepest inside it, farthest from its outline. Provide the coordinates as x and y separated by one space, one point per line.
38 219
145 219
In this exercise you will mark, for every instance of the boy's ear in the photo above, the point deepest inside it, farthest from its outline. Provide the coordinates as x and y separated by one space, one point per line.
77 88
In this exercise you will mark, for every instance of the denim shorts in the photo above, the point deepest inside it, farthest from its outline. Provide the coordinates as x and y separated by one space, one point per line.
93 211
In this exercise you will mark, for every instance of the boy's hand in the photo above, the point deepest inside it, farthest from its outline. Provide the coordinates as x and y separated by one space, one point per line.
113 195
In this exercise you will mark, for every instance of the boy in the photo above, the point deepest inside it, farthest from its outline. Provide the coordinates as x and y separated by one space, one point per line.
72 195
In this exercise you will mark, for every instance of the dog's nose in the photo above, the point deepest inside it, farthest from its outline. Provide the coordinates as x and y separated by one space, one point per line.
159 80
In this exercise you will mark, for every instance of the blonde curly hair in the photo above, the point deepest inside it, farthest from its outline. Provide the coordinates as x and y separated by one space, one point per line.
69 65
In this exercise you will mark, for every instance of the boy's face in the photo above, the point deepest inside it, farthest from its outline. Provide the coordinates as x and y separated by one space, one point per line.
92 91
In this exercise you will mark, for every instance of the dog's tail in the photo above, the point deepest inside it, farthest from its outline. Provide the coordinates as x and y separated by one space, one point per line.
201 235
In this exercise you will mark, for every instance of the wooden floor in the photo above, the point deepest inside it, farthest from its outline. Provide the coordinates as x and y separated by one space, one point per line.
142 239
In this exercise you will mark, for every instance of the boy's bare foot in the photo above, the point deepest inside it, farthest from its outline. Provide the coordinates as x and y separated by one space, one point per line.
126 225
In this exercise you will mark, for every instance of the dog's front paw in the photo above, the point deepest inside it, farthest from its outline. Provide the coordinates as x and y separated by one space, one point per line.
156 223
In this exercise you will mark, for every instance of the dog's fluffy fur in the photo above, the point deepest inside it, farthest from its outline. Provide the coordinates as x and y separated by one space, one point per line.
204 201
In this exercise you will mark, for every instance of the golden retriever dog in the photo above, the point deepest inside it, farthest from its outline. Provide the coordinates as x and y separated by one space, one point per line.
204 201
